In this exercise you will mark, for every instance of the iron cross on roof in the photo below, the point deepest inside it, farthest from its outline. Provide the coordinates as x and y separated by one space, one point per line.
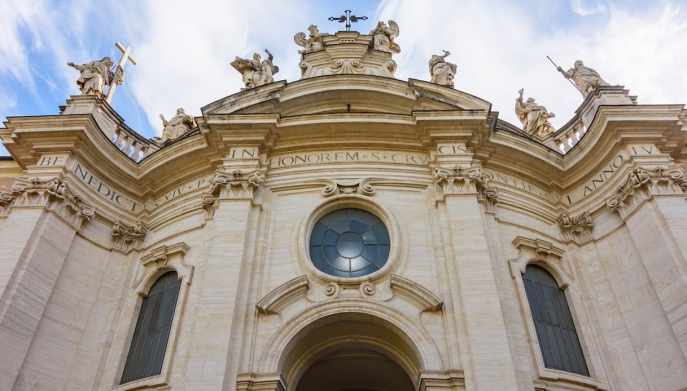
347 18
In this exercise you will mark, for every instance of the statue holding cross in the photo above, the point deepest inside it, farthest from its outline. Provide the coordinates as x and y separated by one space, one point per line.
99 74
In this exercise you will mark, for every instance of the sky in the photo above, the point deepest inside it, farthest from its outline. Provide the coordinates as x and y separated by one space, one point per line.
183 48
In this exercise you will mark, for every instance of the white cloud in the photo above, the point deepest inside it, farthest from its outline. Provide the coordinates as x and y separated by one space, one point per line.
183 49
28 27
498 52
184 53
582 9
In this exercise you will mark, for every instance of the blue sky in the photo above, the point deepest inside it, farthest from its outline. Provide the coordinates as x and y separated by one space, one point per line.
183 49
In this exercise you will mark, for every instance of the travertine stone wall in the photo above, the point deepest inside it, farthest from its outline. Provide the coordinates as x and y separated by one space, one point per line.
230 209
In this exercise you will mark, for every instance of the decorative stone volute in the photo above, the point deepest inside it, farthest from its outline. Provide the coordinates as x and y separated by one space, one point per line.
347 52
362 187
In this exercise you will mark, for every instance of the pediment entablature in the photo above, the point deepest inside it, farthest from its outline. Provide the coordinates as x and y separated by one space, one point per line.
346 94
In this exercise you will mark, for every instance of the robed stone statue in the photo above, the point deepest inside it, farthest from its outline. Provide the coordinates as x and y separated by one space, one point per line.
95 76
534 117
442 71
177 126
585 78
256 71
383 36
311 43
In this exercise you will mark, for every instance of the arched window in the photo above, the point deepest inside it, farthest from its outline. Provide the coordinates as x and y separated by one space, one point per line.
558 339
149 343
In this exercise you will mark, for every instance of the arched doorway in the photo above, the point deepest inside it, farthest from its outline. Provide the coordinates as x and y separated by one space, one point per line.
355 369
351 352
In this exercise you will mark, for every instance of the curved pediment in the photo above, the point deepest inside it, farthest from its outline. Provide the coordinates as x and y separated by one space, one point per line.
346 93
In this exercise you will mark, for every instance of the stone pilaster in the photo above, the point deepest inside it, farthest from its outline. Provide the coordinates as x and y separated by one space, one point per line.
651 203
488 361
41 218
233 210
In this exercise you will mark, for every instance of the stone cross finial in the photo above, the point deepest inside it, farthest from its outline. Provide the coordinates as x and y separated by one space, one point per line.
119 71
347 18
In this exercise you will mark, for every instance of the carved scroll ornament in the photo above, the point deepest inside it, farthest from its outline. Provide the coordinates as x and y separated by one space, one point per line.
362 187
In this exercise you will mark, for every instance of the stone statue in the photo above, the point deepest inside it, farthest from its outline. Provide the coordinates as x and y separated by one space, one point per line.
442 71
256 71
585 78
383 37
312 43
534 117
95 76
177 126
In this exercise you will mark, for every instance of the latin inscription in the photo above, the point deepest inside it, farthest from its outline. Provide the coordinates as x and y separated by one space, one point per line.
597 181
643 150
103 189
308 158
451 149
519 184
184 189
51 160
243 154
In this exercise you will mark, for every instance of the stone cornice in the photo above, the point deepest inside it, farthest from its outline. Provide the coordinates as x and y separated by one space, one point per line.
540 247
281 117
162 254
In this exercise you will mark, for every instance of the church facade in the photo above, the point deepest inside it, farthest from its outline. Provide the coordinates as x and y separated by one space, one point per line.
345 231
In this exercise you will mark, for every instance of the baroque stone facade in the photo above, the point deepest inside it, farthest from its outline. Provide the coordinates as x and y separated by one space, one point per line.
468 200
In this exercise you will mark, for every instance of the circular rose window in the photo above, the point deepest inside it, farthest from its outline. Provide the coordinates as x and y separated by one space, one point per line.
349 243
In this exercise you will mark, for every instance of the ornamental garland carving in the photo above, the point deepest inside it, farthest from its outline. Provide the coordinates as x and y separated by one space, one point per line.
125 236
578 228
362 187
460 180
35 191
232 185
658 180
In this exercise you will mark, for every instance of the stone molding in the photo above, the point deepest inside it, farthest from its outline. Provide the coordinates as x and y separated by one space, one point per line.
642 184
451 380
419 338
278 298
542 253
361 186
160 260
259 382
126 237
51 193
576 228
471 180
275 300
423 296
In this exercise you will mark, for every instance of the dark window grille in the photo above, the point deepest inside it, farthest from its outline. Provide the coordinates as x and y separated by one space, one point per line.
558 340
149 343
